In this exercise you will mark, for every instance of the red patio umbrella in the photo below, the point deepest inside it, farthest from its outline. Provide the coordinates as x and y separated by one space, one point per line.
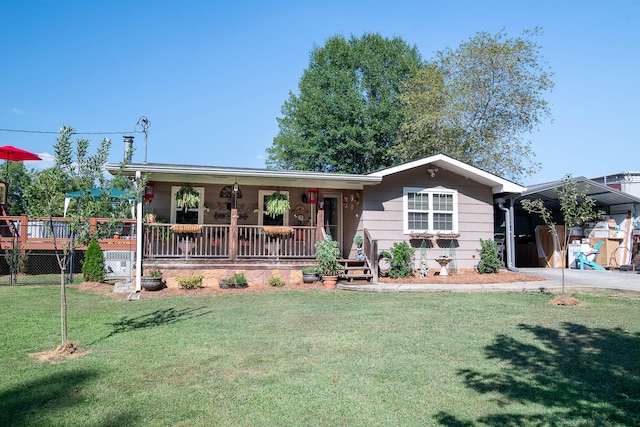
9 152
13 154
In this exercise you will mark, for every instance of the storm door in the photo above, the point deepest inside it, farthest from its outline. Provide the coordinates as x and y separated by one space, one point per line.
333 216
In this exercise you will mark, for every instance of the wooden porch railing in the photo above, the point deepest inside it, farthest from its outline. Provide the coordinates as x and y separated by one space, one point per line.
370 249
215 241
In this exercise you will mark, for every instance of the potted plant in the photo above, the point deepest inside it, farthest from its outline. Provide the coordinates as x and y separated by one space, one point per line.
327 254
277 204
384 263
153 280
358 240
187 197
309 275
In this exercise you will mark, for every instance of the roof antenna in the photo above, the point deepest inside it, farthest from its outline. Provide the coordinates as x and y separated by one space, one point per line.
144 123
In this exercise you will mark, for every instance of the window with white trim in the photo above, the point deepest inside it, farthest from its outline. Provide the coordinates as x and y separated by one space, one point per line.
428 210
263 217
190 216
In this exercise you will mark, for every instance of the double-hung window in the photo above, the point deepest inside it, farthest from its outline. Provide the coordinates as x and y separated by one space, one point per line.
428 210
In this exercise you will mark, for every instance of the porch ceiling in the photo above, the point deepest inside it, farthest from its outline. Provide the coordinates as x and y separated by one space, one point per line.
160 172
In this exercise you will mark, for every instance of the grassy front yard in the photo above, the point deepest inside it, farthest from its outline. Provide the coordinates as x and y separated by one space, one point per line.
321 358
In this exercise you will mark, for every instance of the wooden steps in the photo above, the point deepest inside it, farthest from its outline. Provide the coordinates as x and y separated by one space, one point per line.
355 270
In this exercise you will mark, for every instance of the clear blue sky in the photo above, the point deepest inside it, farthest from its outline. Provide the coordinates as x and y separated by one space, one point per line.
212 76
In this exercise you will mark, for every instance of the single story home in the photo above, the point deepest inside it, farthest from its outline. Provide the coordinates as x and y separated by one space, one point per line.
437 202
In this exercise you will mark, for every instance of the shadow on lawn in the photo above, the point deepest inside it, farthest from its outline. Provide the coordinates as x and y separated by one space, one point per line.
585 376
153 319
44 401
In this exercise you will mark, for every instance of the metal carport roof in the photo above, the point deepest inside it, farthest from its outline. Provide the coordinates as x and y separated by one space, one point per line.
603 195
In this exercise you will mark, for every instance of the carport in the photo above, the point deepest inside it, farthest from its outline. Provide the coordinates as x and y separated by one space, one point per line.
519 226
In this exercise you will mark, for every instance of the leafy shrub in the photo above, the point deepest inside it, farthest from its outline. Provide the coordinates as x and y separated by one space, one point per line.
93 267
401 260
17 259
237 280
190 282
489 257
276 281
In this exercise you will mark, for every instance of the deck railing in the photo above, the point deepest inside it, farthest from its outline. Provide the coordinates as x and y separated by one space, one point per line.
39 233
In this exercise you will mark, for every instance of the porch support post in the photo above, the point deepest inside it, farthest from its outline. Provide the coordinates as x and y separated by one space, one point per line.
139 234
24 230
320 225
233 238
93 225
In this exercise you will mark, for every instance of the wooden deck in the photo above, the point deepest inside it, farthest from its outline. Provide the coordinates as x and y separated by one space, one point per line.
38 234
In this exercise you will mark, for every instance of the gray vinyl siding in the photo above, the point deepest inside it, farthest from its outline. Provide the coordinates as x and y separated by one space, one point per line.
382 212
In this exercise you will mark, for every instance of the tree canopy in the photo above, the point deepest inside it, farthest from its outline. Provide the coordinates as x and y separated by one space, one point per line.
347 114
477 102
370 102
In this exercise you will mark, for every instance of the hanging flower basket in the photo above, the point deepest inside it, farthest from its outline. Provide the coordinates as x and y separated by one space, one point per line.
277 204
186 228
277 230
187 197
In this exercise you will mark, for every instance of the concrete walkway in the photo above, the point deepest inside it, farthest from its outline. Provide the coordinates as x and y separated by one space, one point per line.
574 280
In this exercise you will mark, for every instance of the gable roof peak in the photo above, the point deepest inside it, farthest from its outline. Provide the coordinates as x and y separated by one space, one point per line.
497 184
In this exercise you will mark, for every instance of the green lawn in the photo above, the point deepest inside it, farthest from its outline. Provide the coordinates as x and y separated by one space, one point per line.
321 358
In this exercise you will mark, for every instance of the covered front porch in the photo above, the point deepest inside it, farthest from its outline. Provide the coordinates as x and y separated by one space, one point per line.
200 219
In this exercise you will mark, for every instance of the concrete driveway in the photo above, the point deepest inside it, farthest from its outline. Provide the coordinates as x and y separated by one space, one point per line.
608 279
574 279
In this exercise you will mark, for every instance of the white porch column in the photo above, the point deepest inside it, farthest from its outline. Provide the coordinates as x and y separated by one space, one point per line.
138 239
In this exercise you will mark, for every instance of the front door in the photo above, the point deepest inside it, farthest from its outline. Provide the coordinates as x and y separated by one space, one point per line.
333 216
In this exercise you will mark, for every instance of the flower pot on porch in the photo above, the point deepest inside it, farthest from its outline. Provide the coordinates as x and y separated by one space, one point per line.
329 282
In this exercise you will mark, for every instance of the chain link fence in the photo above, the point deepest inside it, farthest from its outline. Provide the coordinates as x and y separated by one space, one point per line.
34 260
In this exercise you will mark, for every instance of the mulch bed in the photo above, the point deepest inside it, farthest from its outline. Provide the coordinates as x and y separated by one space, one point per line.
462 277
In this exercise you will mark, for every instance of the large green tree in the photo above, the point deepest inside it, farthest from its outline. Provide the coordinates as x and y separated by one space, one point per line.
347 114
478 102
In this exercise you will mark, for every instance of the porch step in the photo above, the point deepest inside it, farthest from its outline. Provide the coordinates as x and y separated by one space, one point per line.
355 270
